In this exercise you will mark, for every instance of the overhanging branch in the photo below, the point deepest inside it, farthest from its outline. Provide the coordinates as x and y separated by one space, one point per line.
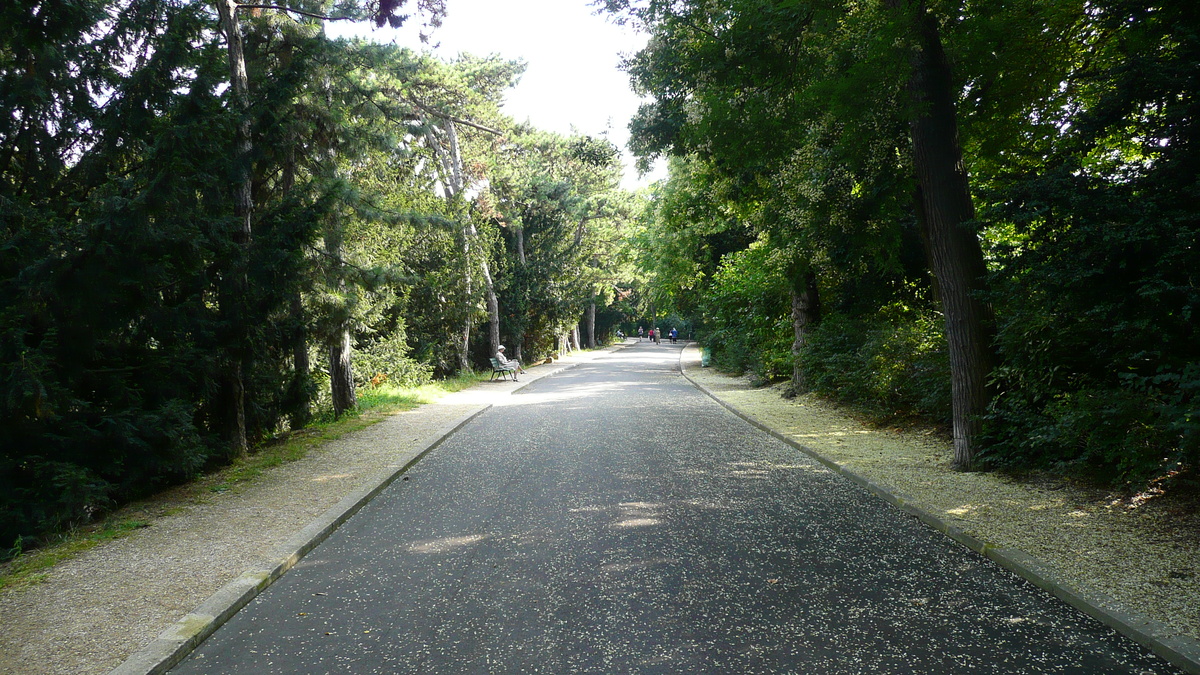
296 11
446 116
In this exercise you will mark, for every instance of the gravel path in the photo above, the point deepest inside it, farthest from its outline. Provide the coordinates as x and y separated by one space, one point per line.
90 612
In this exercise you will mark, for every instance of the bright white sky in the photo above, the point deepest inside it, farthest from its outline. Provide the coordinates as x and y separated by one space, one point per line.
572 79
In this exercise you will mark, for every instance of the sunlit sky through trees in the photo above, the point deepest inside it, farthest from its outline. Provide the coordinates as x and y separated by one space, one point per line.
573 77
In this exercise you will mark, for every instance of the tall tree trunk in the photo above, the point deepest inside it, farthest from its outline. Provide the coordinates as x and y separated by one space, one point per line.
302 411
519 338
340 347
233 305
298 387
806 312
341 367
590 322
453 184
953 248
341 373
464 345
493 304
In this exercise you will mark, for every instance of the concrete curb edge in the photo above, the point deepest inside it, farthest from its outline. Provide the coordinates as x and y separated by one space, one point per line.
179 640
1181 651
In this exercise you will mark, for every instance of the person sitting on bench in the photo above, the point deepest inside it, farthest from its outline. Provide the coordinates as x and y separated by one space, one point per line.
508 364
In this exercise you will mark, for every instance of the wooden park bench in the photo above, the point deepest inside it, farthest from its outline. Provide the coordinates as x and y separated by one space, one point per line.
502 371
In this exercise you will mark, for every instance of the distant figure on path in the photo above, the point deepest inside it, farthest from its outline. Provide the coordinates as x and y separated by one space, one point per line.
508 364
639 333
674 334
652 335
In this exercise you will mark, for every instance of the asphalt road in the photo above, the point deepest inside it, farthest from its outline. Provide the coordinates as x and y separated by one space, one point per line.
613 519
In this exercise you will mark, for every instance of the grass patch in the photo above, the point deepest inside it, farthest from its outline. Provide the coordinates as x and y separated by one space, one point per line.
30 567
374 404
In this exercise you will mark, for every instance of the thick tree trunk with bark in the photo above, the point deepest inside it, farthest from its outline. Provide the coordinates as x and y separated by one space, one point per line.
953 248
234 295
299 386
341 373
341 365
590 323
806 312
341 368
464 342
519 236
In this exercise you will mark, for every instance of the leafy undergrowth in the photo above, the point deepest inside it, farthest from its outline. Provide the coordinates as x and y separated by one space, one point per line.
31 566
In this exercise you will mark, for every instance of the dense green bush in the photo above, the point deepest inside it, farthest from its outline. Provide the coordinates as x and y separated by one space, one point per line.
387 360
1100 363
747 315
893 363
108 356
1095 287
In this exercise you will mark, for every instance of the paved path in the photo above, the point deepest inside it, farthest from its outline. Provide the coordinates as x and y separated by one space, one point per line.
613 519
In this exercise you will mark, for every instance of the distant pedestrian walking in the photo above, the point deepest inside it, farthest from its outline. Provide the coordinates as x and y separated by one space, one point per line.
639 333
674 334
652 335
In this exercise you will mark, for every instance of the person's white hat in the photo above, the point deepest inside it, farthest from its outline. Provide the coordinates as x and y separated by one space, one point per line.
501 348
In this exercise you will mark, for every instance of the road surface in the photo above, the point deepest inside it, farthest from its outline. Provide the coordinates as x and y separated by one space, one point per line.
613 519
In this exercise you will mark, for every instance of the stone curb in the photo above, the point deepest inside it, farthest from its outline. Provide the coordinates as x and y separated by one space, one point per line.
1181 651
175 643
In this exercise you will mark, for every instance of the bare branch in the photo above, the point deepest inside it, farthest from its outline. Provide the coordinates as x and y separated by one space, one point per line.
296 11
446 116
